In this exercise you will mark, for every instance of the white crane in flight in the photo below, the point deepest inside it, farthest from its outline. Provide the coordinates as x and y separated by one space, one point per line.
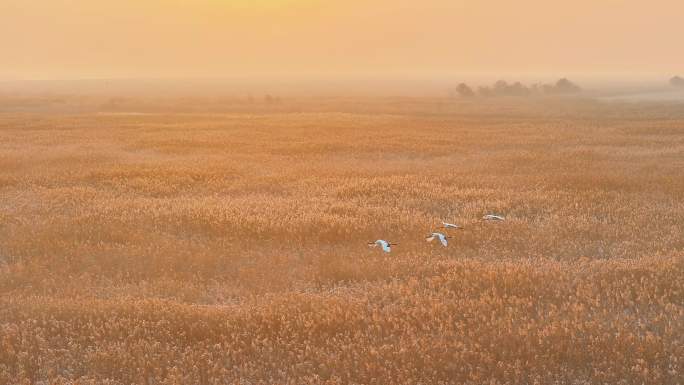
386 246
442 238
446 225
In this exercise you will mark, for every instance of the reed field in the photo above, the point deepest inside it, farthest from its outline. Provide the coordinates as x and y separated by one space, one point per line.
189 241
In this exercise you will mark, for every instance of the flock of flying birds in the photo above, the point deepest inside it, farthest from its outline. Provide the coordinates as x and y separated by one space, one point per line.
387 246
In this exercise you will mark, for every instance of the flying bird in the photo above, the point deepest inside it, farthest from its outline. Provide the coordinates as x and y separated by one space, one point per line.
442 238
493 217
383 244
450 226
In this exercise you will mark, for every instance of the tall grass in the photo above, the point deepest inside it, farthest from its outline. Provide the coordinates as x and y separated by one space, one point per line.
222 247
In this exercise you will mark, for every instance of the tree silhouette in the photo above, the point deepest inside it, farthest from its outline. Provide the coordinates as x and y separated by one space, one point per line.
464 91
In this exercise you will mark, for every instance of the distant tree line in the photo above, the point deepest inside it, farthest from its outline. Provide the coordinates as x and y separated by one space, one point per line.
503 88
677 81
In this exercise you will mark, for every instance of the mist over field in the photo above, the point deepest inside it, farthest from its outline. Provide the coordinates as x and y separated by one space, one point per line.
328 192
304 39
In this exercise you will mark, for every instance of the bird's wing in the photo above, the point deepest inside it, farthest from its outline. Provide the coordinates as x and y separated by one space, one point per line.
430 238
443 239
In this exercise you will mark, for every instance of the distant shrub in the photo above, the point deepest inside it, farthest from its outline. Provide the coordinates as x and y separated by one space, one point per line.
464 91
677 81
485 91
562 86
270 99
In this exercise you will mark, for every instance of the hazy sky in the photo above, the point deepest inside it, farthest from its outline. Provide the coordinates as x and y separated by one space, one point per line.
47 39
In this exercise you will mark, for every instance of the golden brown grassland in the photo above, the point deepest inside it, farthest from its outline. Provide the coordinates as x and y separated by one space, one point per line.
226 243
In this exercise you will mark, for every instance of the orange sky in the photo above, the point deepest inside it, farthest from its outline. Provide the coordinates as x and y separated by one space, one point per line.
47 39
